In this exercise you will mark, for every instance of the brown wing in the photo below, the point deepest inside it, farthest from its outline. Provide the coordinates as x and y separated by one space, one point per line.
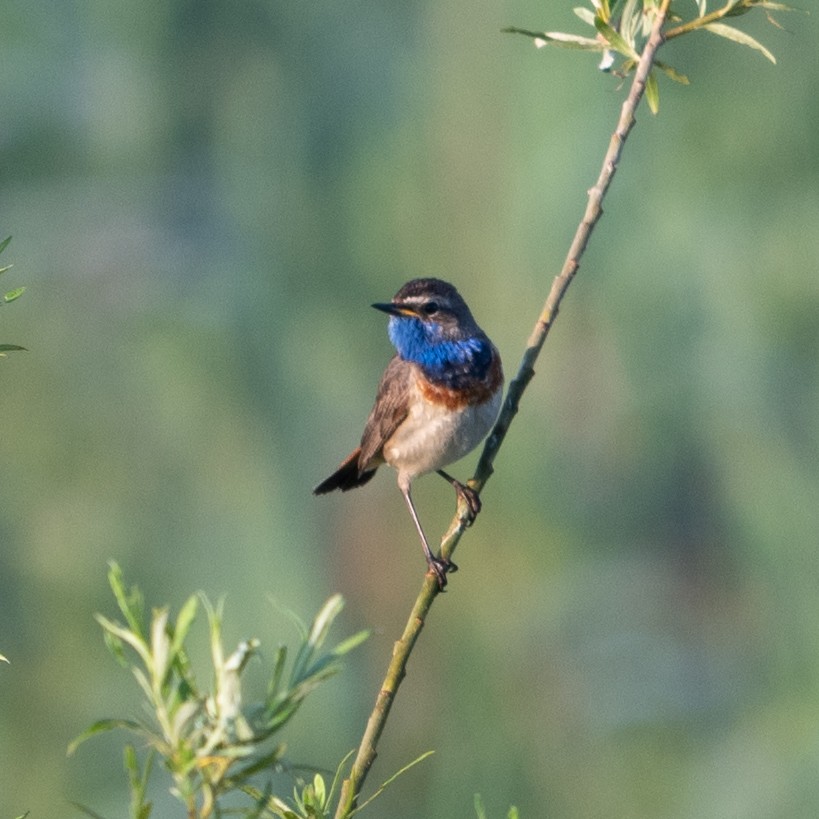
389 410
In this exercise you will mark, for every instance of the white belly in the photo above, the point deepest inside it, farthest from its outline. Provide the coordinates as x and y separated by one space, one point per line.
433 436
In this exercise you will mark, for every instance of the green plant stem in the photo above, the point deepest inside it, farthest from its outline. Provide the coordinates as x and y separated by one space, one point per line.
593 212
367 750
396 671
700 22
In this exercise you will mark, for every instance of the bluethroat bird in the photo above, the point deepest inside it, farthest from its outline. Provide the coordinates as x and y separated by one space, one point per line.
437 399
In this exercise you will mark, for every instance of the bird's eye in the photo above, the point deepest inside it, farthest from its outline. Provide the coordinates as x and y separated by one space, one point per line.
430 308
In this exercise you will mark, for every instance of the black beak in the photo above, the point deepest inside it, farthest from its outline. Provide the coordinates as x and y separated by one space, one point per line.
392 309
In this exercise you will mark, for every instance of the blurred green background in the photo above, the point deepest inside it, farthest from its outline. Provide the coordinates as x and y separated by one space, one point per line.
206 195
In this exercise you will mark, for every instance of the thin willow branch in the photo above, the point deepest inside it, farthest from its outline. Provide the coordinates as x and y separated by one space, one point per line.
396 671
593 212
351 788
728 10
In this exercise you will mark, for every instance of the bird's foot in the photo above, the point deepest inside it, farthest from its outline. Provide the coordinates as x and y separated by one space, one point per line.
468 494
471 499
440 567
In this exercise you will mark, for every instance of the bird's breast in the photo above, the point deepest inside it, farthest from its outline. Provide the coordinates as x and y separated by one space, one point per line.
469 392
444 424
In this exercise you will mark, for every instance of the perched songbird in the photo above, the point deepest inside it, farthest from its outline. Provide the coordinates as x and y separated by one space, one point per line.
438 398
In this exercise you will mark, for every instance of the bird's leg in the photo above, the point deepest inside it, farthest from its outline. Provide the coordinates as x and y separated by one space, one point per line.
437 565
469 495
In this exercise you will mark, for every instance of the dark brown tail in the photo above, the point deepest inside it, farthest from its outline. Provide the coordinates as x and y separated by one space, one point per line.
347 476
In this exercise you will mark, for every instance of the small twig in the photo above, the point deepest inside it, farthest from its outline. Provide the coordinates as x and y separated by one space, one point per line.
365 757
701 22
396 671
560 285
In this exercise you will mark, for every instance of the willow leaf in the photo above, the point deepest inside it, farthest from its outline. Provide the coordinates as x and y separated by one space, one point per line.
731 33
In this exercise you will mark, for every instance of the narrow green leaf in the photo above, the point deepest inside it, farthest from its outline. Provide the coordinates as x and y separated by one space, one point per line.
291 616
672 73
82 809
615 39
325 666
4 269
737 36
217 653
324 620
13 294
4 659
338 775
114 645
631 19
392 779
586 15
264 762
479 808
131 764
183 623
278 672
6 348
562 40
104 725
183 714
320 789
315 637
140 809
280 712
160 645
263 799
558 38
144 683
350 643
5 243
121 632
130 602
653 93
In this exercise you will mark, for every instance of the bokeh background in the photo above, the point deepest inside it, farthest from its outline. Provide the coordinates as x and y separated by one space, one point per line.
206 195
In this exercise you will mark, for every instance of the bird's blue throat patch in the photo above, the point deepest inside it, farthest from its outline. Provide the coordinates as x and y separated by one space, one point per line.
446 361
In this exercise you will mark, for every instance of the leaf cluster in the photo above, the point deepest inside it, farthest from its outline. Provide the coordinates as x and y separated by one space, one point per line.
7 298
621 28
480 810
212 742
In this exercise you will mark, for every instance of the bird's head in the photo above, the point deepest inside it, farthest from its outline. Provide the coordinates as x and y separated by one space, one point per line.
431 324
